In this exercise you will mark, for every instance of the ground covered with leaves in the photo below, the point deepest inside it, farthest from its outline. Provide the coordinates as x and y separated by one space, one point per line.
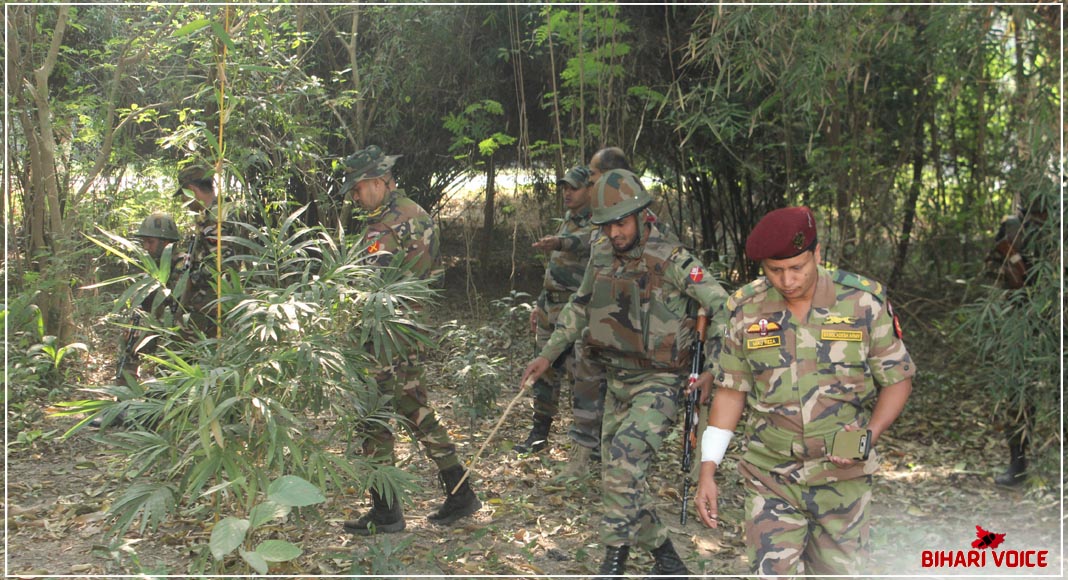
935 487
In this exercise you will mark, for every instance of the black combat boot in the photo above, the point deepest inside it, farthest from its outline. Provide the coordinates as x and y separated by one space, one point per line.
539 435
382 519
1017 470
668 562
457 505
615 563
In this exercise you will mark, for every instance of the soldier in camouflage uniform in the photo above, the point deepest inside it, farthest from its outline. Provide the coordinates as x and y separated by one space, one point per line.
631 314
804 349
196 186
1018 246
156 232
569 252
397 225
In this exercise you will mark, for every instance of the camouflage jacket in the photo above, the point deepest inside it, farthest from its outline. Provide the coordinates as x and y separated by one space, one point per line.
401 225
631 309
199 260
806 379
566 266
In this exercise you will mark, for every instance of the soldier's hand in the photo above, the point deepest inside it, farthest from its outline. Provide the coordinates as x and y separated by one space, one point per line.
704 385
706 498
534 320
842 461
535 369
547 244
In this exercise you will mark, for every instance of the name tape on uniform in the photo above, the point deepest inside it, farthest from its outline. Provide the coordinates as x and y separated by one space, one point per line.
850 335
765 342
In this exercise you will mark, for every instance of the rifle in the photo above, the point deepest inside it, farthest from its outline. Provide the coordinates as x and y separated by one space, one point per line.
187 260
129 345
693 404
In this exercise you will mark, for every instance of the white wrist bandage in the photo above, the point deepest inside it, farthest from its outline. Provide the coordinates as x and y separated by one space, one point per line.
714 444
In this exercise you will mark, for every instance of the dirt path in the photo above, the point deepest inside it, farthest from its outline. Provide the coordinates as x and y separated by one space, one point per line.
935 487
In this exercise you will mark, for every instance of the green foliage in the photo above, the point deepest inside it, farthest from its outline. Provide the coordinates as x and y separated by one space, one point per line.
303 320
232 533
381 557
473 132
1011 339
473 361
48 356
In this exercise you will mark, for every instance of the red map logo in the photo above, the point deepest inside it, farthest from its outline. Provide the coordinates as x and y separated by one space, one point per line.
977 557
985 539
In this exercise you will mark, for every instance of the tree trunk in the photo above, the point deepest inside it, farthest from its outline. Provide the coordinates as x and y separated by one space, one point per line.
923 112
46 218
488 213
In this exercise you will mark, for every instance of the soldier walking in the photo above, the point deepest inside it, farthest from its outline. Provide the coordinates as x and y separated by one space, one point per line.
630 311
1018 245
397 225
804 350
569 251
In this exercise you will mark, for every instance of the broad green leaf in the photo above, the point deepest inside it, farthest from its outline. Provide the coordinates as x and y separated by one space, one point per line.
265 512
290 490
226 536
255 560
278 550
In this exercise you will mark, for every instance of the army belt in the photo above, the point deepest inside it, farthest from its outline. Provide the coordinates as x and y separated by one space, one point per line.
784 442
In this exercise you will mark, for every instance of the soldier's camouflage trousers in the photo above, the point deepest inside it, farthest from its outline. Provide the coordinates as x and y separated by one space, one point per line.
640 410
587 388
793 528
402 383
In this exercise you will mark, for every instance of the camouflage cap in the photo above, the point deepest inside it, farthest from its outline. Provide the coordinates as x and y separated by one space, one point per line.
782 234
366 164
577 177
619 194
192 173
158 225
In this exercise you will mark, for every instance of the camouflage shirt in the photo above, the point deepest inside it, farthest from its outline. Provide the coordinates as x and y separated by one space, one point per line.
806 379
201 261
566 266
401 225
631 309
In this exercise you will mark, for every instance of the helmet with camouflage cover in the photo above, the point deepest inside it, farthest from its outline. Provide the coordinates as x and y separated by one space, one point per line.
619 194
366 164
158 225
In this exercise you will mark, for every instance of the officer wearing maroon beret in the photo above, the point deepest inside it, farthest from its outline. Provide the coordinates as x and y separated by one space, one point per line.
782 234
817 357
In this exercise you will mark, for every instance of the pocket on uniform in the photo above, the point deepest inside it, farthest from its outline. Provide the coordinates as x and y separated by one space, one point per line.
615 316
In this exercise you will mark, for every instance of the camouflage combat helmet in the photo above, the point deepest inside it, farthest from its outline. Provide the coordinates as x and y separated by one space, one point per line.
366 164
619 194
158 225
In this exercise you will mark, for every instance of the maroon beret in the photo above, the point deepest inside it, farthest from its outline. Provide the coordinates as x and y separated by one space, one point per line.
783 233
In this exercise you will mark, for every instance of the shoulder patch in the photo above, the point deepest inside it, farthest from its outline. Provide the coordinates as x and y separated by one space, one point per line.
747 293
859 282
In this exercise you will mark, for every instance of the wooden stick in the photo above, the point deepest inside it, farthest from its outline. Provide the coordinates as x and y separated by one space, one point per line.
504 416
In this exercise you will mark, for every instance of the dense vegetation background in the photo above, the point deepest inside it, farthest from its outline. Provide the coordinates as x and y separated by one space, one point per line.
910 130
